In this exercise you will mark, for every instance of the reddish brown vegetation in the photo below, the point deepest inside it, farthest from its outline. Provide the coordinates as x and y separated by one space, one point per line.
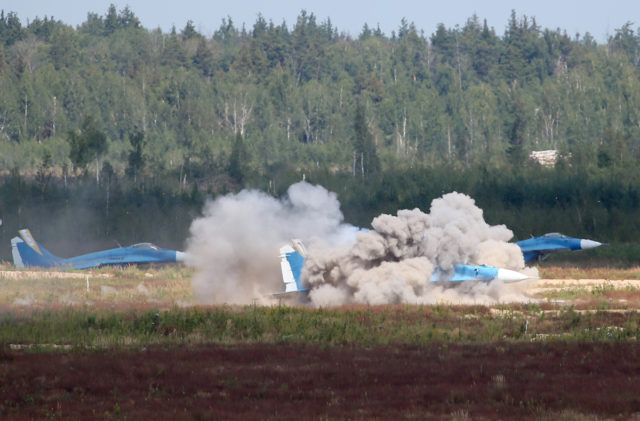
505 380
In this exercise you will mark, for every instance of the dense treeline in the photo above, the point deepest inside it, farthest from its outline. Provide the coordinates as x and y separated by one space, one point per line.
599 204
128 129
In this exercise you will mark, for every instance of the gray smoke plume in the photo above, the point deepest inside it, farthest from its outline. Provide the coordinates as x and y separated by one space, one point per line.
393 263
234 248
234 245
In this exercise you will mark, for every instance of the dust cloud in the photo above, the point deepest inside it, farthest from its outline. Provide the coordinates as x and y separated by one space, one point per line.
393 262
234 248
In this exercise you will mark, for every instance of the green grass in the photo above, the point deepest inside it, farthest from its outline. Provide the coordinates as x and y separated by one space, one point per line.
135 307
419 325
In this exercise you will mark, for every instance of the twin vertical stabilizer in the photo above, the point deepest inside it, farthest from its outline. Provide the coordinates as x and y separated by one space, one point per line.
27 252
291 263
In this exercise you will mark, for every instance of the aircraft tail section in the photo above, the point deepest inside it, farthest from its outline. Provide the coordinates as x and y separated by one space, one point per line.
27 252
291 262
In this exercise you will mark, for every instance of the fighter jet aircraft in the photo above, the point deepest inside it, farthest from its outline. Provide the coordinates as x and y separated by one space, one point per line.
292 258
28 252
539 247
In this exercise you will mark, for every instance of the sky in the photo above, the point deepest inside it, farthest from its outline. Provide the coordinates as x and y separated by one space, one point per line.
599 18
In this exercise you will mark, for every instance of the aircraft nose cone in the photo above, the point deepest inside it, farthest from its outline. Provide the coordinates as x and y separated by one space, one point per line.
179 256
589 244
506 275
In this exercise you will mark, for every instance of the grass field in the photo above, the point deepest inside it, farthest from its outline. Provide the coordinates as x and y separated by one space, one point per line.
127 344
132 287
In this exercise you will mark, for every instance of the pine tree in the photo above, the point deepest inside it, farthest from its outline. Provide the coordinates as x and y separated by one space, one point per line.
238 160
136 158
365 157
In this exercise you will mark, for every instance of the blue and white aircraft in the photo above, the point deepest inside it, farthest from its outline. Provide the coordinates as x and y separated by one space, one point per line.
292 261
539 247
27 252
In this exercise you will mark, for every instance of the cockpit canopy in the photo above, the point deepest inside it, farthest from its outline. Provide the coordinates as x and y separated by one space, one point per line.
145 246
554 235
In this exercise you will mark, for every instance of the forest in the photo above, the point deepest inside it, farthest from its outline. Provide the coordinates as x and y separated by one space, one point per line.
114 133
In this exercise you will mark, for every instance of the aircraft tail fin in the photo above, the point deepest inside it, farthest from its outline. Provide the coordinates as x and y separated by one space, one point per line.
291 262
27 252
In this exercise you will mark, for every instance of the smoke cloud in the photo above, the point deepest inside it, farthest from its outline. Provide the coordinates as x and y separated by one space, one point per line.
234 247
393 263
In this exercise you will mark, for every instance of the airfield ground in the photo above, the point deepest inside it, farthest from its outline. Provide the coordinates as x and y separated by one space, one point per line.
133 346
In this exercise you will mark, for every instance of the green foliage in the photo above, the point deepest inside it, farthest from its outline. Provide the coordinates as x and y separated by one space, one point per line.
365 159
11 29
238 160
463 95
136 159
411 325
90 143
192 115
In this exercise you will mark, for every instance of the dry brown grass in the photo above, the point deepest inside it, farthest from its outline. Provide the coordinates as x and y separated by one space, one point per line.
131 287
169 286
557 272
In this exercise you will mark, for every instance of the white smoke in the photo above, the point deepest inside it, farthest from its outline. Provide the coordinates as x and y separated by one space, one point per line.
234 247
